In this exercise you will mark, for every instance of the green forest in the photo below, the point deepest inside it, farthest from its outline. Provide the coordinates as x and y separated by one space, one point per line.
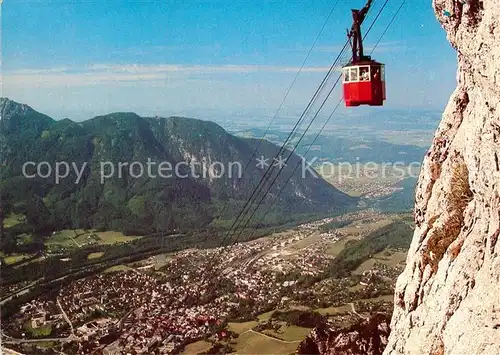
140 205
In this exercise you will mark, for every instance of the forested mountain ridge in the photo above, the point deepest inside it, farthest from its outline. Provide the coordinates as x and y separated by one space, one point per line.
139 203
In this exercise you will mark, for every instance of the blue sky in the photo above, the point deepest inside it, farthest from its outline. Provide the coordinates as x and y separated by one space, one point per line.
207 59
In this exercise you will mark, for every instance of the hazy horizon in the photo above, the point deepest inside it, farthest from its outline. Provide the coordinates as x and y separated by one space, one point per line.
79 60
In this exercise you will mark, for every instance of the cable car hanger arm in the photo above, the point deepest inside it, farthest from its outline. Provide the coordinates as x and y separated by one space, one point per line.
354 35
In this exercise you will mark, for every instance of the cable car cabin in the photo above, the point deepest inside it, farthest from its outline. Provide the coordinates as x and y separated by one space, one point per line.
364 83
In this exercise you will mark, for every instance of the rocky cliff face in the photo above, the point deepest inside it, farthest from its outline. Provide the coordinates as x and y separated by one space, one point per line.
447 300
367 337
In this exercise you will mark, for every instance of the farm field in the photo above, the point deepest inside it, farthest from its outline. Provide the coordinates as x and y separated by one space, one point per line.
12 219
14 258
334 310
390 258
95 255
79 237
197 347
252 342
117 268
241 328
257 343
290 333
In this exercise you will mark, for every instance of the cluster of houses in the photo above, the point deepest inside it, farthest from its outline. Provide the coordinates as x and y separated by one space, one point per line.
381 191
38 314
191 295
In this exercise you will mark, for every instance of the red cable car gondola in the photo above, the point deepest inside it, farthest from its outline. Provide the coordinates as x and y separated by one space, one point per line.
363 78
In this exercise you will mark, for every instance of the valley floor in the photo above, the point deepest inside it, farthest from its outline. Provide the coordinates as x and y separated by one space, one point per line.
262 296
